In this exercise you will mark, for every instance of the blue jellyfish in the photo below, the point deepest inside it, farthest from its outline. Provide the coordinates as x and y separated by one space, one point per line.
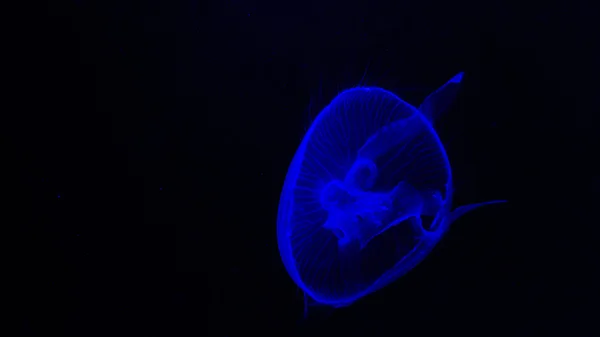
368 194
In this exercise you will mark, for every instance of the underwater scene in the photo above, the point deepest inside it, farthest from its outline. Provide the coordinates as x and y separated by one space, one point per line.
306 168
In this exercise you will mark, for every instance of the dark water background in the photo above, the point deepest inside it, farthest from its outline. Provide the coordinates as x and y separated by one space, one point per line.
149 141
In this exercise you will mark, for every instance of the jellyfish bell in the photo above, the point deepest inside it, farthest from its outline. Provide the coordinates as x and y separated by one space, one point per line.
367 175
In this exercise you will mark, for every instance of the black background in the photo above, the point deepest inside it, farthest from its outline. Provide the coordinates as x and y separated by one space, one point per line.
149 142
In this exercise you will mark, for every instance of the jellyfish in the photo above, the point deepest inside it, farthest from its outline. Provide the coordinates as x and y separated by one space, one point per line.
368 194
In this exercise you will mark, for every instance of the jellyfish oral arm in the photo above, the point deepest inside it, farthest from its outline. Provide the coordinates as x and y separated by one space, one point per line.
356 216
390 136
353 215
439 101
460 211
